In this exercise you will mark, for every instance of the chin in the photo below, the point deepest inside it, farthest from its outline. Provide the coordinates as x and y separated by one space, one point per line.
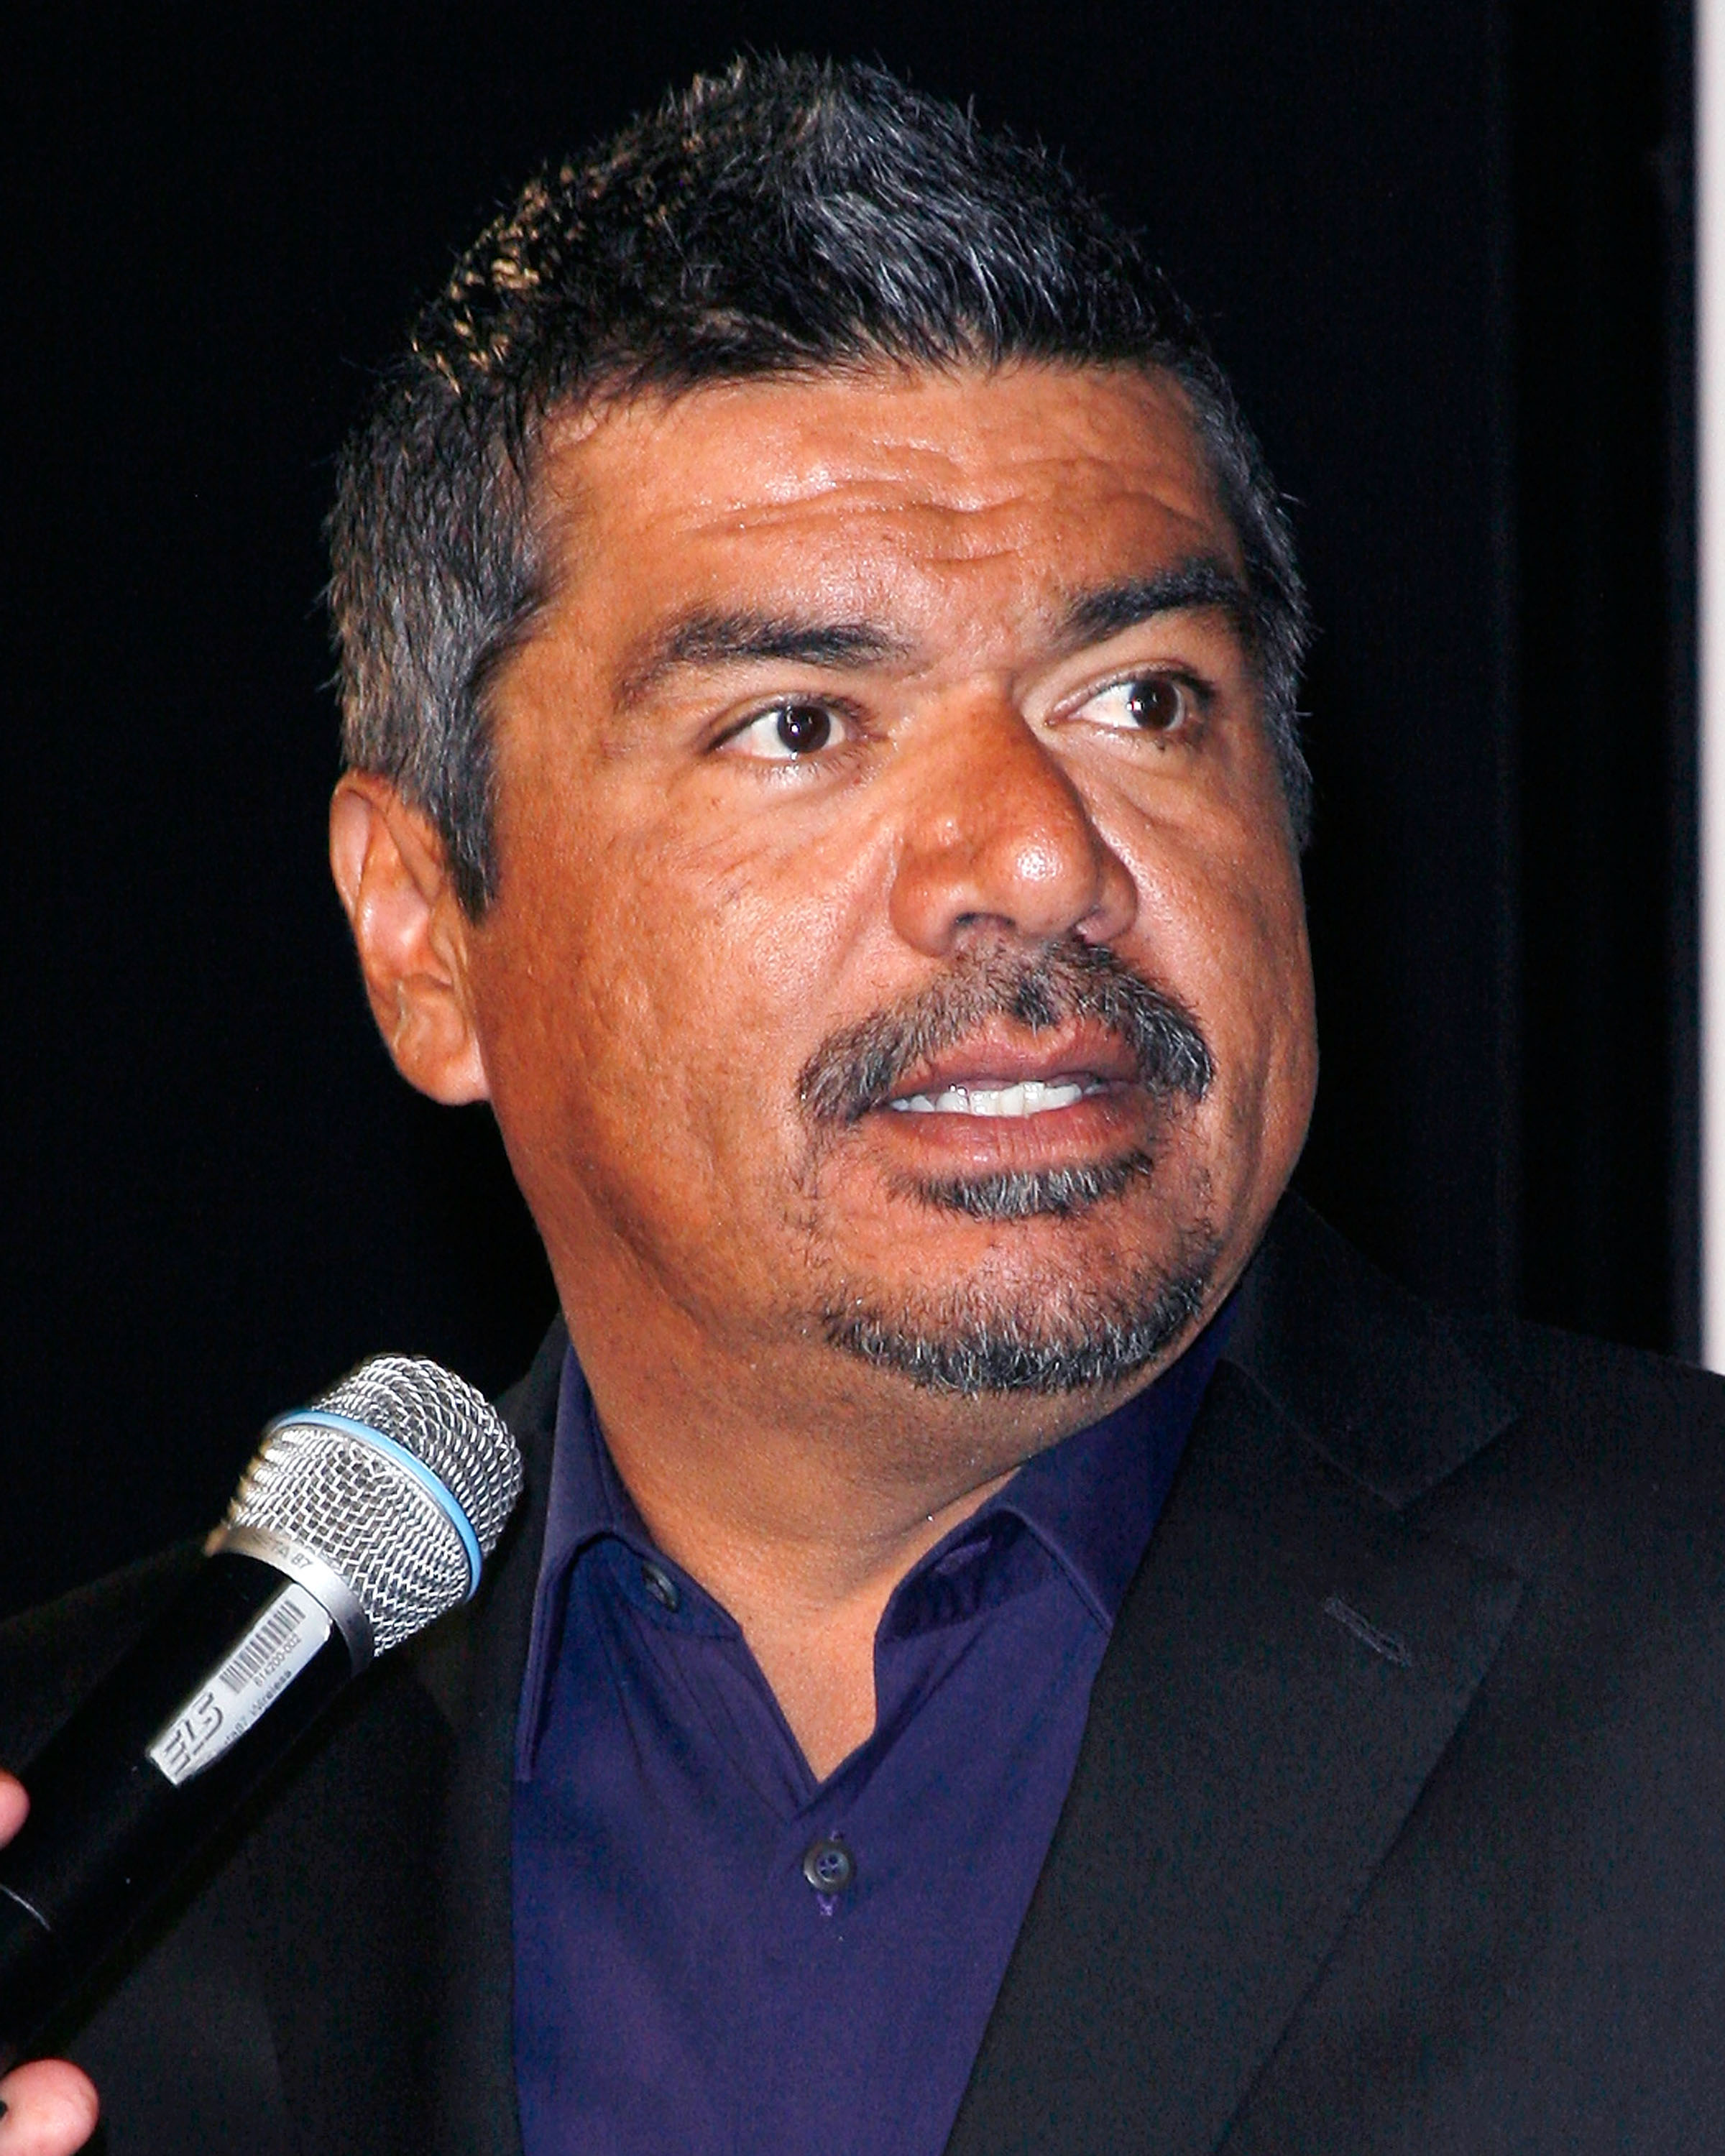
1089 1323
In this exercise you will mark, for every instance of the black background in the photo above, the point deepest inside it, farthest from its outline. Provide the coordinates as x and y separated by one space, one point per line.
1444 251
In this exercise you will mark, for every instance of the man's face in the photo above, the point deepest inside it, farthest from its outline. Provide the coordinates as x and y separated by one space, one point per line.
898 970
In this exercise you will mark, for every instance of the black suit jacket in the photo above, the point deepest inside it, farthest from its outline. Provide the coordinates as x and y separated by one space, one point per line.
1398 1822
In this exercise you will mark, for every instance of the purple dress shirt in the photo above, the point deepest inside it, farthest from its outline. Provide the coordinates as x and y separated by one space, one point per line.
715 1954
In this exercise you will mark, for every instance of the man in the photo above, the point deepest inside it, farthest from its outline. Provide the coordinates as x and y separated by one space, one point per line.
1014 1641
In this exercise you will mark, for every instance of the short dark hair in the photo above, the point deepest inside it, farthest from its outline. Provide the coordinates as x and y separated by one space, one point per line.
790 217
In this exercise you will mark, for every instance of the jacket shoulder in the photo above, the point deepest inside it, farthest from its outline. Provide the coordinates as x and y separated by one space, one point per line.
1604 1387
50 1656
1422 1403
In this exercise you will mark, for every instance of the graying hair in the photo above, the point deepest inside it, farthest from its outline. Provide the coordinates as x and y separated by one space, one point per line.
789 217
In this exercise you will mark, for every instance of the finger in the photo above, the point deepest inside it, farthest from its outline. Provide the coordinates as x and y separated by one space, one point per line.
50 2110
13 1804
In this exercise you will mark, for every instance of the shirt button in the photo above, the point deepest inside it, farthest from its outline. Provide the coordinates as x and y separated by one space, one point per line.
660 1584
828 1866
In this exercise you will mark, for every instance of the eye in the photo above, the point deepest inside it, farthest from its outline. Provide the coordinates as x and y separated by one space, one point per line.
789 732
1151 704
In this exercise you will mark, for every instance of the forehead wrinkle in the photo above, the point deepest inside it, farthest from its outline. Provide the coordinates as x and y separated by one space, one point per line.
936 513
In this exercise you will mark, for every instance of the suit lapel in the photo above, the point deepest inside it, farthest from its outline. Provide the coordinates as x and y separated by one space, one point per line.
473 2070
1287 1670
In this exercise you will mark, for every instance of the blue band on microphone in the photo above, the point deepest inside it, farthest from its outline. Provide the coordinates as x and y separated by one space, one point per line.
439 1493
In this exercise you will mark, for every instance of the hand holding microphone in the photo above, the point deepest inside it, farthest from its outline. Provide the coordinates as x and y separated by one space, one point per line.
51 2106
362 1518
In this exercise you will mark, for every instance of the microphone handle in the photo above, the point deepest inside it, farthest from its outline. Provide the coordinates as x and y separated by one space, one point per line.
147 1770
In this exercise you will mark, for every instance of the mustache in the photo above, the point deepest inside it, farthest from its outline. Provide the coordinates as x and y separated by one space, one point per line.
860 1067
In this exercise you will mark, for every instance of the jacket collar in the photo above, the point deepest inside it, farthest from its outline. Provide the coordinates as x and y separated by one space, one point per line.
1373 1375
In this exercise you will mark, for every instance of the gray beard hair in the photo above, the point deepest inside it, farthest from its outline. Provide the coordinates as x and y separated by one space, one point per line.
969 1343
1023 1194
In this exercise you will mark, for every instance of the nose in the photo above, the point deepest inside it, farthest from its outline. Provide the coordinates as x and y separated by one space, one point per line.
999 837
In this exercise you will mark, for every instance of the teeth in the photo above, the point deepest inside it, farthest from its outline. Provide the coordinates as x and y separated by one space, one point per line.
1035 1097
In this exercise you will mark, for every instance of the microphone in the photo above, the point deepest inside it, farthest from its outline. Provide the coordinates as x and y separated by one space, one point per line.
362 1518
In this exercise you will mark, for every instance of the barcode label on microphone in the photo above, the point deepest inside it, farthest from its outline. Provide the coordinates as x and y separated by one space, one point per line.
258 1668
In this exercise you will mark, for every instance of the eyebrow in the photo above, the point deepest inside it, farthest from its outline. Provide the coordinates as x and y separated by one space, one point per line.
1093 617
707 637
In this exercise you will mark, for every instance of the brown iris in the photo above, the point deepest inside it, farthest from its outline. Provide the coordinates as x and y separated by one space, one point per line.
803 728
1156 704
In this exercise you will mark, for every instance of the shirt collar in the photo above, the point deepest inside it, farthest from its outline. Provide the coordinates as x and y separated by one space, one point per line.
586 1500
1092 1500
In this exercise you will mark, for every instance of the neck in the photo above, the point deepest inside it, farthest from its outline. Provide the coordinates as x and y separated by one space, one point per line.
809 1604
800 1497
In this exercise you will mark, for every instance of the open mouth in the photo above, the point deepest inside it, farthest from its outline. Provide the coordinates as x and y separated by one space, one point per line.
1070 1042
997 1076
1022 1097
987 1137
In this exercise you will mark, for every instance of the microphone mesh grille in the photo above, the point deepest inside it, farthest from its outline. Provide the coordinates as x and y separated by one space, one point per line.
366 1515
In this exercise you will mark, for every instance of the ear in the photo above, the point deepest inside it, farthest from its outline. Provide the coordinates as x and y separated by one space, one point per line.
411 934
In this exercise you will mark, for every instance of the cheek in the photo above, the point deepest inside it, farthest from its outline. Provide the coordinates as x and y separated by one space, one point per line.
753 918
1222 922
1270 1009
666 971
